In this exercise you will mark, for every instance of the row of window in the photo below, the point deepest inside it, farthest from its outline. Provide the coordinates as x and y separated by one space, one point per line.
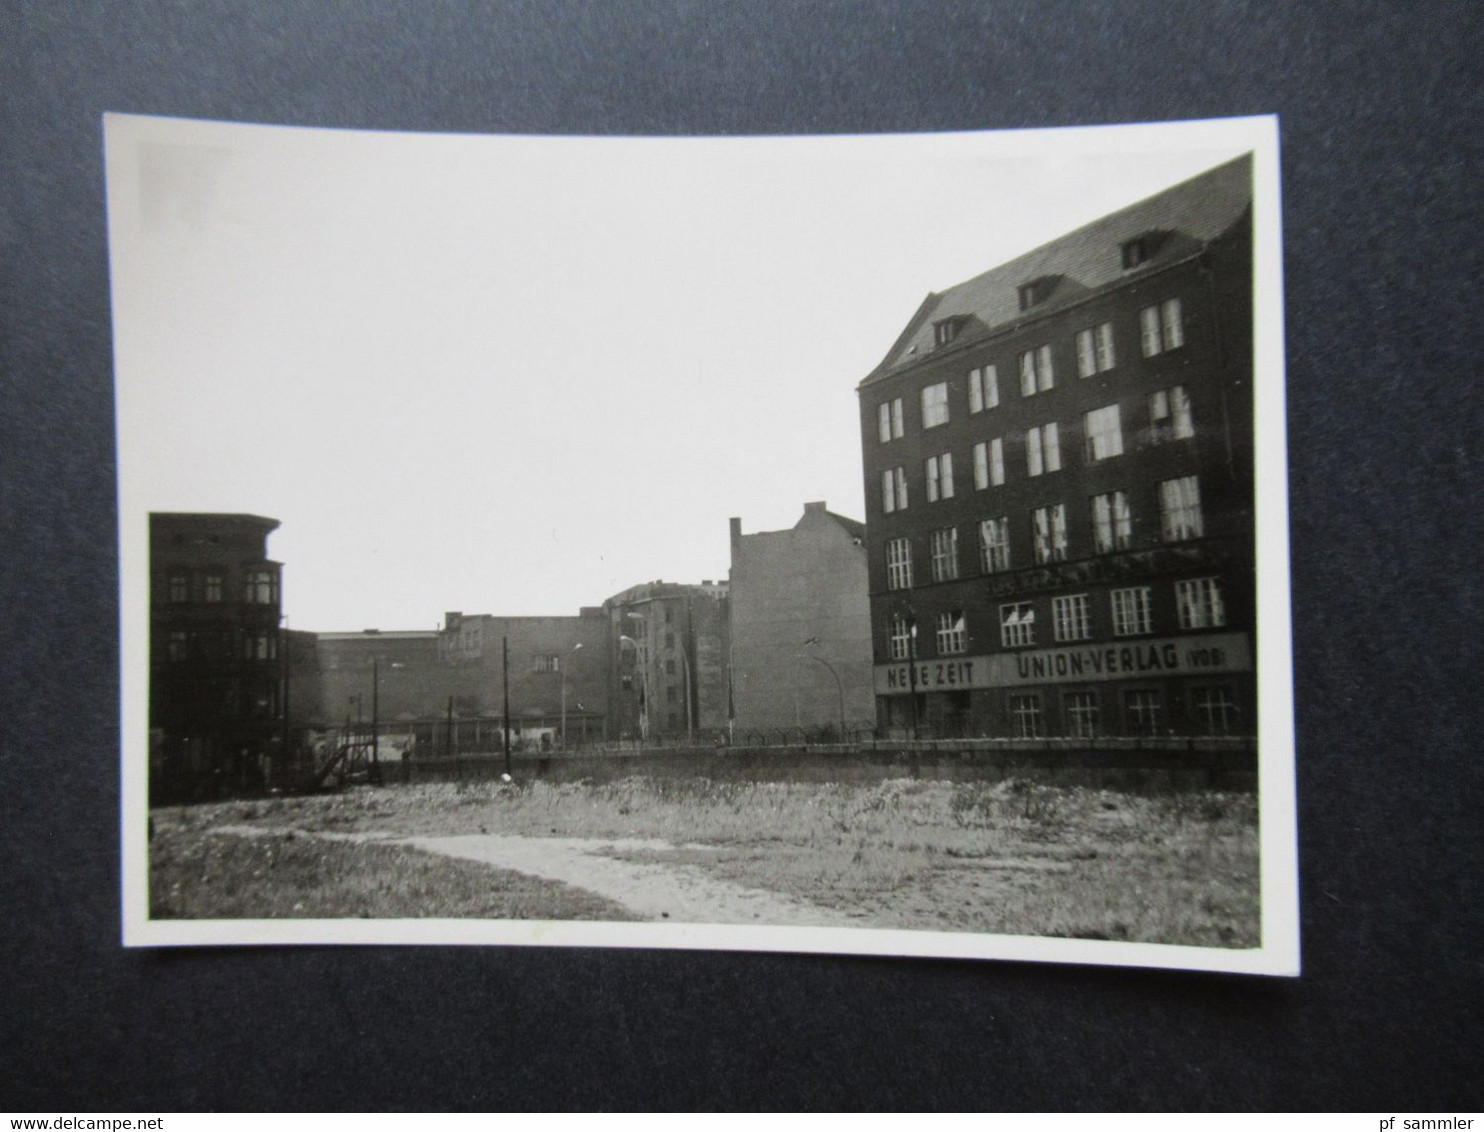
1112 520
1161 329
1213 708
1198 604
221 645
259 587
1170 418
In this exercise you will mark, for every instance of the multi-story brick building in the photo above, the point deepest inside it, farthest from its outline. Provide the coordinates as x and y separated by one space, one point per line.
801 626
669 676
216 673
559 674
1059 463
395 673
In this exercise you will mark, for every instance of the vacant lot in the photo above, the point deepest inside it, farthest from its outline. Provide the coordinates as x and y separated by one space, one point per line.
1012 857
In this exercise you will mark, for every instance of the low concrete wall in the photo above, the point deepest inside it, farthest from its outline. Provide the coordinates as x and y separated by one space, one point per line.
1152 765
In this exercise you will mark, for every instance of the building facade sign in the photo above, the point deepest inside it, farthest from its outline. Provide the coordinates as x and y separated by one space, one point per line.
1213 654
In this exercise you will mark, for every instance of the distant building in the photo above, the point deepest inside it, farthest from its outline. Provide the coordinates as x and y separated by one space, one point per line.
1059 455
559 675
216 672
668 647
801 626
396 672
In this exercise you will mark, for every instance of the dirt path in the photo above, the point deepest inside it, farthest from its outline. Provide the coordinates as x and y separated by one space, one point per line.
651 891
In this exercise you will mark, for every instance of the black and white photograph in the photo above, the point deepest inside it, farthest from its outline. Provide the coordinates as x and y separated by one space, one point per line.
844 544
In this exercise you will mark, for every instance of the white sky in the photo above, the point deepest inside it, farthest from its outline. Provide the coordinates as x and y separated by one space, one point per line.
517 375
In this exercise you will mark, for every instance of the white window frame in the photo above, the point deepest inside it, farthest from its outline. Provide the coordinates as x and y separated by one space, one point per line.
1142 710
994 545
1161 327
943 544
1026 715
1081 711
893 490
952 635
1017 625
1170 416
984 388
260 587
1112 522
899 564
1095 350
935 405
1180 509
1049 533
1102 431
1132 616
260 645
1043 449
1070 618
898 638
1036 372
989 463
1211 703
1200 604
939 477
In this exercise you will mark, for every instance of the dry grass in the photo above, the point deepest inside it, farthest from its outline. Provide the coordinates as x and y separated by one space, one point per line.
197 874
1012 857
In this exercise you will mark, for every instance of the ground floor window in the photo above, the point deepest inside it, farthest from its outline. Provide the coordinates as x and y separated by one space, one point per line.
1141 709
1025 716
1081 710
1215 710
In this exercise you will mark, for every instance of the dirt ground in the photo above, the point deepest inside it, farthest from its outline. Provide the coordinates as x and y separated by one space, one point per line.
1010 857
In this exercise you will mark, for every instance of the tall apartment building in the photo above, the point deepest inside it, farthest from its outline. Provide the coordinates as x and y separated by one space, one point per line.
668 662
216 672
801 626
1059 462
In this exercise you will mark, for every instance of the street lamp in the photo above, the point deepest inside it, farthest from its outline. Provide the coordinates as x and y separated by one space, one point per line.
912 667
839 687
574 648
643 683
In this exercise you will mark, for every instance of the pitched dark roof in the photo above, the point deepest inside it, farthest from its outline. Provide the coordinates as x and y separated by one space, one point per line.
1182 219
852 527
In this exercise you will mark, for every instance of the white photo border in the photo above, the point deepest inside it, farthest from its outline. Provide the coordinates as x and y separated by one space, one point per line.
1278 953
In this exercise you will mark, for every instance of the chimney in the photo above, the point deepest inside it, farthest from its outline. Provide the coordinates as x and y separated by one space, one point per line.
814 508
736 529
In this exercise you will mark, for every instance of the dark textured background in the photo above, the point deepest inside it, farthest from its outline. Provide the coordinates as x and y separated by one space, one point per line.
1381 115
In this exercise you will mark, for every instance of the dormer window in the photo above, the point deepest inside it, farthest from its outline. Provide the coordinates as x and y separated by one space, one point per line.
1139 250
1035 292
946 330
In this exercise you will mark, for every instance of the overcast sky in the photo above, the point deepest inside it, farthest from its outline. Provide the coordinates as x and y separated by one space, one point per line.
517 375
